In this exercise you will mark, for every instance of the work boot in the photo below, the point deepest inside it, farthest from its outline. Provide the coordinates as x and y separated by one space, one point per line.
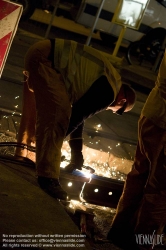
53 188
77 160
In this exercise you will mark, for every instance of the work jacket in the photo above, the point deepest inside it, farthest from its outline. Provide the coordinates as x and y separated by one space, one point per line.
155 106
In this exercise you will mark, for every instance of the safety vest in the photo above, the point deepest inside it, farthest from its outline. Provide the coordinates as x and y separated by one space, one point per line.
81 66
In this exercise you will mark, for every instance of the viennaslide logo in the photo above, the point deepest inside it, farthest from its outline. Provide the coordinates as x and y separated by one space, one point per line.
149 239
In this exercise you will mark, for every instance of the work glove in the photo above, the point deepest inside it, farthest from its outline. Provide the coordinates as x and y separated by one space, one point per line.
77 160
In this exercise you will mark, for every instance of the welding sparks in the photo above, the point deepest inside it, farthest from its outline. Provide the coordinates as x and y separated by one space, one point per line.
105 164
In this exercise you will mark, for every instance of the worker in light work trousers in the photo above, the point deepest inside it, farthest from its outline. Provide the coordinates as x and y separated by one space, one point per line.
141 212
61 74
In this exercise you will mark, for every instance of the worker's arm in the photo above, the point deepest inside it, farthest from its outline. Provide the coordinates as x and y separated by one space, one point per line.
97 98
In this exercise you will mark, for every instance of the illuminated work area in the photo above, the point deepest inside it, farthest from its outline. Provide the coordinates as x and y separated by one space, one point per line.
109 142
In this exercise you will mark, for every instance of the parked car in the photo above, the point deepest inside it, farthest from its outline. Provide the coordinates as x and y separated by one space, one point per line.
154 19
152 26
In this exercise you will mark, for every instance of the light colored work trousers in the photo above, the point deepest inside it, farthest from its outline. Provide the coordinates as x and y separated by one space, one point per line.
26 133
143 202
53 109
